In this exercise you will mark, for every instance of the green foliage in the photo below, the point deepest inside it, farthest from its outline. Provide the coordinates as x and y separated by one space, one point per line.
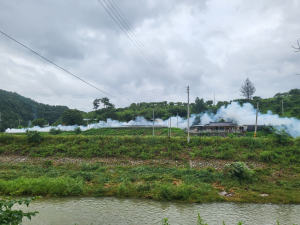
200 221
268 156
77 130
14 217
72 117
14 107
39 122
237 170
282 137
34 136
55 131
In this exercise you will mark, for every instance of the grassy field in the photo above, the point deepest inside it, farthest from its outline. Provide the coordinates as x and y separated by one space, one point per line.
267 150
279 178
158 183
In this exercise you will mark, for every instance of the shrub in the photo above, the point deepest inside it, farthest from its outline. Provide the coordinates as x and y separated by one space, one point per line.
267 156
77 130
238 171
34 136
281 137
54 131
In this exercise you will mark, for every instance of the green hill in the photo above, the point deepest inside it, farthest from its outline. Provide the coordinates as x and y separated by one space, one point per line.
14 107
291 105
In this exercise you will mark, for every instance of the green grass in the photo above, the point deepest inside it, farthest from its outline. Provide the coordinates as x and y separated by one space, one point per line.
267 150
158 183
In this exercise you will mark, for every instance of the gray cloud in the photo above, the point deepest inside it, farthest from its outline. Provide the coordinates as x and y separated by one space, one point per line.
211 46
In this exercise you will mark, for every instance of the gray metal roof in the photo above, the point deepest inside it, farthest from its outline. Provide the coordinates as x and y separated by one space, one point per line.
220 124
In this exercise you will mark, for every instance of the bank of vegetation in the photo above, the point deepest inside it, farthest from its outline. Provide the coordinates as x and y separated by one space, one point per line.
278 178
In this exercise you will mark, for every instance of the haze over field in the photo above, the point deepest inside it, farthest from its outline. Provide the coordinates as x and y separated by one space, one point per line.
211 46
241 115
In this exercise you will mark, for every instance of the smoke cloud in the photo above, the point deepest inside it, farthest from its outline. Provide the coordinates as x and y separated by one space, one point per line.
241 115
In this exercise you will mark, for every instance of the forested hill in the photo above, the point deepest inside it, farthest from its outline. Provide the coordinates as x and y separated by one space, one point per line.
291 105
14 106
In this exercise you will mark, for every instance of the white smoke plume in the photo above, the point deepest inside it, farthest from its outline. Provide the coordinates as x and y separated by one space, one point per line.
246 115
241 115
139 121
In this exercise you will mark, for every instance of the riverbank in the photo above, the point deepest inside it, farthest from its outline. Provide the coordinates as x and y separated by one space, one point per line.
269 150
149 180
208 169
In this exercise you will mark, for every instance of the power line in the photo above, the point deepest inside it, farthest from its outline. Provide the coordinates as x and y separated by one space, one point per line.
139 39
133 40
56 64
140 42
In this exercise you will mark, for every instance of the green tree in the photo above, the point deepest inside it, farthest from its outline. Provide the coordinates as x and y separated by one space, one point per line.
96 103
209 103
72 117
106 103
39 122
247 89
199 105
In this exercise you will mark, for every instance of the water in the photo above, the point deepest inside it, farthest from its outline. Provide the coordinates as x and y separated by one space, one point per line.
111 210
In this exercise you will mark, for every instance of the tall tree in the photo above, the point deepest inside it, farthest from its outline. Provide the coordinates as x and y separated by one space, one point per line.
199 105
247 89
96 103
72 117
106 103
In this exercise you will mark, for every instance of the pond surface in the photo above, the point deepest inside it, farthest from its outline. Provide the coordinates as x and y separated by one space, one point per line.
111 210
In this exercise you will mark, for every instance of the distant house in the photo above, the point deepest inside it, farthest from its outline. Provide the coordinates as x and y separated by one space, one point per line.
251 127
225 127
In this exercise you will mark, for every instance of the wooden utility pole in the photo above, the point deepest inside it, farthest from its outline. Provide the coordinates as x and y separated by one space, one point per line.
170 126
256 120
153 122
188 128
282 108
214 99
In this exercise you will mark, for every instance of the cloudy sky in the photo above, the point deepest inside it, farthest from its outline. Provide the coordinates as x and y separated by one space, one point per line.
211 46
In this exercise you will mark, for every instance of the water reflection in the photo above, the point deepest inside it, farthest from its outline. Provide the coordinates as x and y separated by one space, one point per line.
88 210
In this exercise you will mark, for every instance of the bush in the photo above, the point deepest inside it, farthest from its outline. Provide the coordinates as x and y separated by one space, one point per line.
34 136
281 137
238 171
267 156
77 130
54 131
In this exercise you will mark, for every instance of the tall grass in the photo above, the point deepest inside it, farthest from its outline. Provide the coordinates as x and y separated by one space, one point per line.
148 147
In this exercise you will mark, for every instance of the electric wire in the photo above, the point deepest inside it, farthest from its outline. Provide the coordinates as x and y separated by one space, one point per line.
140 42
123 28
55 64
127 23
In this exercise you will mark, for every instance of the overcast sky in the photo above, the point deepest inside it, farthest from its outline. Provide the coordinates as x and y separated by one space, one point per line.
211 46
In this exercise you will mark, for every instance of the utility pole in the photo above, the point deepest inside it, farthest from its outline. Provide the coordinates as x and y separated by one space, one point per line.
188 128
87 122
153 122
214 99
256 120
177 120
282 108
170 126
19 121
